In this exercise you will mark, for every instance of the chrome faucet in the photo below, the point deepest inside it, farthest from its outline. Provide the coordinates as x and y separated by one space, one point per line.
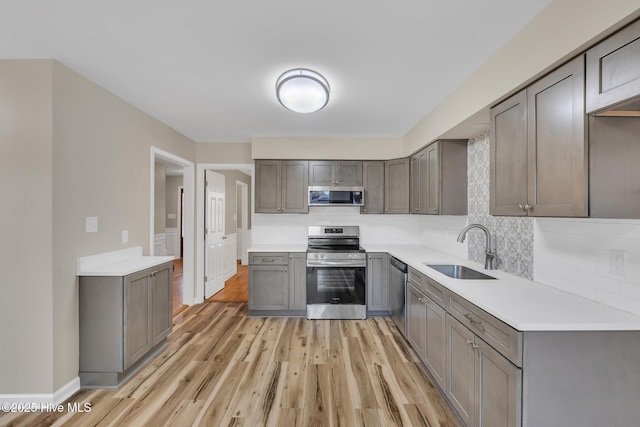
489 254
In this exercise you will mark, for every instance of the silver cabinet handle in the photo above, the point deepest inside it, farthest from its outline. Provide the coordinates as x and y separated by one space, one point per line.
285 270
470 342
521 206
528 207
268 259
475 346
475 323
365 209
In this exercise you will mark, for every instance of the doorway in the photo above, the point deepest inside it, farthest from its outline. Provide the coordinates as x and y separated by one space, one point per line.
181 242
231 171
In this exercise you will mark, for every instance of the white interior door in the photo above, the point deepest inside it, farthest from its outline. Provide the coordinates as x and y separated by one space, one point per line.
242 215
214 233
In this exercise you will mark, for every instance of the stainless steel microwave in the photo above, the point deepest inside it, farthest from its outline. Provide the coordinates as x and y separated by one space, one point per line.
336 196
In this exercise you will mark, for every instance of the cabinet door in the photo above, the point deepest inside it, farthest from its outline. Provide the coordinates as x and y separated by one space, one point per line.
298 281
348 173
294 186
416 320
509 178
613 70
461 370
162 298
377 282
396 186
498 389
137 317
435 348
557 143
322 173
268 287
418 182
373 180
432 183
268 186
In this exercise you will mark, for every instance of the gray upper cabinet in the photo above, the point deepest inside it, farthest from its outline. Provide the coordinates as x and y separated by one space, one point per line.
557 143
613 73
326 173
539 148
439 179
281 186
396 186
509 178
373 180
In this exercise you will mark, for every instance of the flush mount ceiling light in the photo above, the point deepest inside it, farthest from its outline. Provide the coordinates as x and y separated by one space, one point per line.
302 90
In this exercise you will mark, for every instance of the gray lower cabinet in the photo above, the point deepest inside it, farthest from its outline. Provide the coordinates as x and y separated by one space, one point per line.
482 385
298 281
373 181
377 283
277 283
122 320
396 186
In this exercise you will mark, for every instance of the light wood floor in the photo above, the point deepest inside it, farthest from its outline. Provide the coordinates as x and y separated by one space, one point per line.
223 368
236 289
178 283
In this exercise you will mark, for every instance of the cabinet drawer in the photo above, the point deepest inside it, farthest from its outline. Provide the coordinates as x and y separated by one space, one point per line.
275 258
429 287
497 334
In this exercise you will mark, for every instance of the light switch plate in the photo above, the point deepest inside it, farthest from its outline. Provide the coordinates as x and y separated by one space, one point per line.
91 224
617 262
125 236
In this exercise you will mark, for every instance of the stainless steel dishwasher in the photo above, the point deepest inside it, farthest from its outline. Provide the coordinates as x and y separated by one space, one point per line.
398 293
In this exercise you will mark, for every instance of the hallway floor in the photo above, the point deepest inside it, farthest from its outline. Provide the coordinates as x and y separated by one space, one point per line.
236 289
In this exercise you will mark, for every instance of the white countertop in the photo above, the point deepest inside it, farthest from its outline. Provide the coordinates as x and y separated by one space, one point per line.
278 248
523 304
118 263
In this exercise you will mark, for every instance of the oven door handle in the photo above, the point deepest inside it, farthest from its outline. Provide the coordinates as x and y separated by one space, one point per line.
345 263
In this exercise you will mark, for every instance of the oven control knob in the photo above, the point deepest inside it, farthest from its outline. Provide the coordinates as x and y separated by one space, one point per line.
316 255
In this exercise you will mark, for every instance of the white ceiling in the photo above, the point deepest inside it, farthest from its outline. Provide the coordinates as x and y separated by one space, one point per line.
208 68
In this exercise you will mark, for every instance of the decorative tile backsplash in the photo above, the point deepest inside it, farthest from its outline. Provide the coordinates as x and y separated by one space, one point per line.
512 236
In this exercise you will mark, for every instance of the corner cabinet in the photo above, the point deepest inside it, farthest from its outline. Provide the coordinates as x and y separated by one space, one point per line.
281 186
439 179
542 131
396 186
124 320
277 283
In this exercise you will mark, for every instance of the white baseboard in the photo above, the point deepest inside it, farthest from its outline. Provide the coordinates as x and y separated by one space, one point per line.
60 395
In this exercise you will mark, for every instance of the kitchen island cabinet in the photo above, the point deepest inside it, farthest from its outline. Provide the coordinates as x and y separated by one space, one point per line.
124 321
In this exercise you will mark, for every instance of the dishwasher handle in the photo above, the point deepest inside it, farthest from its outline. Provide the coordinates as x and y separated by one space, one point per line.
398 264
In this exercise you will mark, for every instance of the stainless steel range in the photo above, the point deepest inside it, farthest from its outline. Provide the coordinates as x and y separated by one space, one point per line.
336 273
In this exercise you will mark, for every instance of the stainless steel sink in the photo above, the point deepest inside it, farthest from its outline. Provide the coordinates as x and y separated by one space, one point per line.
457 271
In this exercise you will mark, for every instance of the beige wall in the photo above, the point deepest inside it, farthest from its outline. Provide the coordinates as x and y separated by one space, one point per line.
171 197
224 152
231 176
562 30
26 311
101 161
326 148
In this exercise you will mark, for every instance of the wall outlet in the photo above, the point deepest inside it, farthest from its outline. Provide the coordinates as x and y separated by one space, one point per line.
125 236
617 262
91 224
